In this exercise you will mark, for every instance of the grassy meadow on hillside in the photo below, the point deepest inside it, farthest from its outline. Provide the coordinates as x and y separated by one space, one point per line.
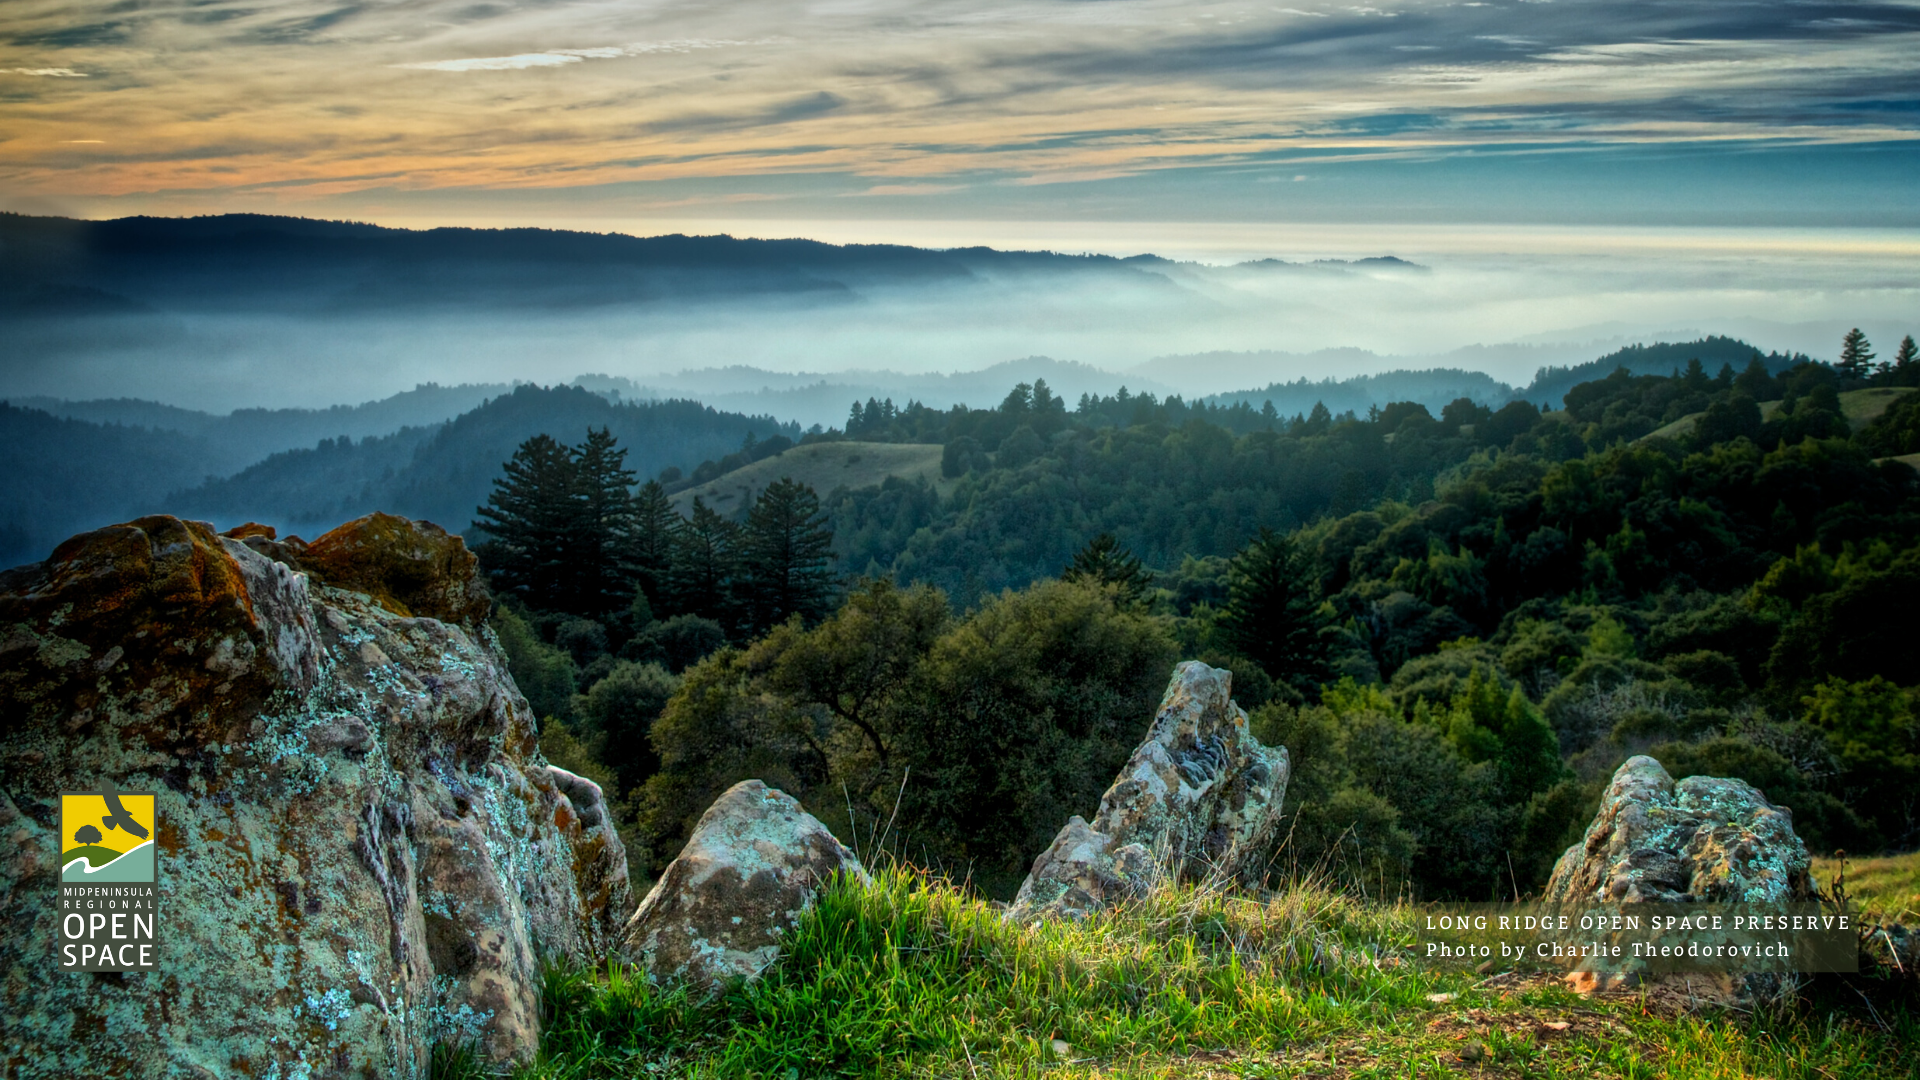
825 466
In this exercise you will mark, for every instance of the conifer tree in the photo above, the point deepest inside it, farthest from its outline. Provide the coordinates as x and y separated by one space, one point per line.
649 547
785 558
600 584
532 519
704 550
1856 355
1755 382
1103 560
1906 364
1272 610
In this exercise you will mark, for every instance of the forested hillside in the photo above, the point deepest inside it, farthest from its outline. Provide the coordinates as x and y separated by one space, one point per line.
237 439
1459 624
443 474
60 476
63 475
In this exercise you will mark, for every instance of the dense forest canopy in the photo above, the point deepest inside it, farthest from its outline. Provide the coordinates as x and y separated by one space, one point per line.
1459 624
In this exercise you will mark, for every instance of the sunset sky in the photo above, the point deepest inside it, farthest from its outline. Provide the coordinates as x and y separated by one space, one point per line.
969 120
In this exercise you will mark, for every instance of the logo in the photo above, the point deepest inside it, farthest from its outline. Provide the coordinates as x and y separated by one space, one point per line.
109 880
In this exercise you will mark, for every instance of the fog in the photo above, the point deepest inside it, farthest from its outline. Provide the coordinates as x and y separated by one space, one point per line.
1506 313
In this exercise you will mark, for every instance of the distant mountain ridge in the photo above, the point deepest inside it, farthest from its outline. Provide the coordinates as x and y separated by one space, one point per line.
825 399
60 476
1434 387
442 474
240 438
61 267
281 264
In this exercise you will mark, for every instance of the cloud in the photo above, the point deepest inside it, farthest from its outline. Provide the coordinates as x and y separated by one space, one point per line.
563 57
923 97
498 63
911 189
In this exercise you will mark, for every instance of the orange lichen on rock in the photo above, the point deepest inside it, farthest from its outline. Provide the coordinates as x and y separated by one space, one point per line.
411 568
172 569
360 848
251 528
157 615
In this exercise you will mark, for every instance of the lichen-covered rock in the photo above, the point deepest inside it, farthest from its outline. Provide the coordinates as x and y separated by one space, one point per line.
1199 799
1703 839
361 851
753 864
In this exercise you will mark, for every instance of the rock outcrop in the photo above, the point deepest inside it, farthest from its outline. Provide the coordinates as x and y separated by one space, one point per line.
754 863
1704 839
360 849
1199 799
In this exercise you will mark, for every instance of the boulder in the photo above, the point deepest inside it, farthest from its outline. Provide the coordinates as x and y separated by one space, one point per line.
1199 800
754 863
1704 839
360 849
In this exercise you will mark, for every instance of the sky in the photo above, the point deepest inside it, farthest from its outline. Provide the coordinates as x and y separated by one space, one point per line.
640 117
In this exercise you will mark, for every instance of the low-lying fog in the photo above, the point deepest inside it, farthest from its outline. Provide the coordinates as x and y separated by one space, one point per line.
1506 314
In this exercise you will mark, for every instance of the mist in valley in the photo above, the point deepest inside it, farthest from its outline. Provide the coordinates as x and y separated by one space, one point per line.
336 338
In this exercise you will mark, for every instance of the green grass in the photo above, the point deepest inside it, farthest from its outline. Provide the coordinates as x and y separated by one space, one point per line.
912 978
1860 407
1885 889
824 466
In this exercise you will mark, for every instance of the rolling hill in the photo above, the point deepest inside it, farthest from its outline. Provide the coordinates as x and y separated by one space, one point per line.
824 466
443 474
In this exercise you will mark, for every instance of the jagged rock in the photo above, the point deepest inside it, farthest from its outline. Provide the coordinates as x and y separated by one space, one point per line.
1703 839
361 851
1199 799
751 867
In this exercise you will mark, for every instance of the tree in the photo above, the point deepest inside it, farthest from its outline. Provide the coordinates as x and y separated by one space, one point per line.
1695 377
1104 561
855 664
620 711
86 834
600 584
1906 364
533 519
704 547
649 547
1755 382
785 557
1272 611
1856 355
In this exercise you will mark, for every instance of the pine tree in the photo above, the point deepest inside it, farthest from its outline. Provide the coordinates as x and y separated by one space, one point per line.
1856 355
649 547
1755 382
1103 560
600 584
785 558
704 550
532 519
1906 364
1272 611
